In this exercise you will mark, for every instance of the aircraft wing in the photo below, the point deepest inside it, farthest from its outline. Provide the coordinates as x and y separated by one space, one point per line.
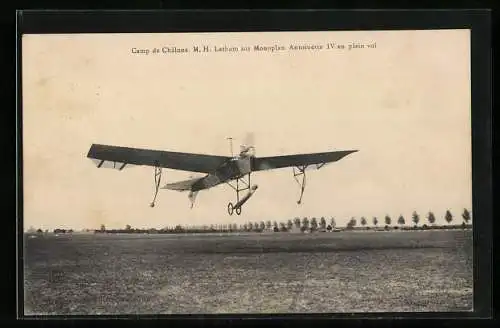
121 157
300 160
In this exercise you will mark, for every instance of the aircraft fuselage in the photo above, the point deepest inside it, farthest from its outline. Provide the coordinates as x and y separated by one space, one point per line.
233 169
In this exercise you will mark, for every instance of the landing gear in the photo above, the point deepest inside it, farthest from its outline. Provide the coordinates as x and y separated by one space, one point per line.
238 188
231 208
300 171
157 184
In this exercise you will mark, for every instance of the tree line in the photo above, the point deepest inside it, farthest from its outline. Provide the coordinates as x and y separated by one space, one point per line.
300 224
306 224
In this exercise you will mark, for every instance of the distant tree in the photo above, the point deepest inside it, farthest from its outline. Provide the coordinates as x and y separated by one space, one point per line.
128 227
262 225
256 226
296 221
268 224
305 223
322 223
352 223
375 221
245 227
431 218
282 226
401 220
39 230
387 220
314 223
466 216
289 225
103 227
415 218
275 225
332 222
448 217
250 226
363 221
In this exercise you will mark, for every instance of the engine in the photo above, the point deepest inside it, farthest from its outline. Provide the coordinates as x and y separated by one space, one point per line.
247 151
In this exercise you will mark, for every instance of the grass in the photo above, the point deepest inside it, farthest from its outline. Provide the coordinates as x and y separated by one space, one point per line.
249 273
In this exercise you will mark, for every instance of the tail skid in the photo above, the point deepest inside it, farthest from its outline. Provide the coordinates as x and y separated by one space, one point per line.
192 197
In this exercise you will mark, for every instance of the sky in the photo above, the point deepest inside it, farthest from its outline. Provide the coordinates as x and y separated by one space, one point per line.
403 103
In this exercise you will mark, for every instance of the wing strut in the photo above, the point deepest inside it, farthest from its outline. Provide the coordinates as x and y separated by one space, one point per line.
157 184
301 171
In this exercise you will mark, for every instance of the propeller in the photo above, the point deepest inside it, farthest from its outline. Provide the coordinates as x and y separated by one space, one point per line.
248 144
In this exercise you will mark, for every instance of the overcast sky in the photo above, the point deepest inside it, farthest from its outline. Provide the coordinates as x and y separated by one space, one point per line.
405 105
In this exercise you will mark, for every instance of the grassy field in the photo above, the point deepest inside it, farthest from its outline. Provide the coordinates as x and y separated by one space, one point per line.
249 273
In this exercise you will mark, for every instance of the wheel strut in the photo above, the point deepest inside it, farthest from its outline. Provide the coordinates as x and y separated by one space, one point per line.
301 171
157 184
239 202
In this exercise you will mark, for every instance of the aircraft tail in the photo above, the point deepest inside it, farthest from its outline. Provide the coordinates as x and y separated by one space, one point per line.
181 185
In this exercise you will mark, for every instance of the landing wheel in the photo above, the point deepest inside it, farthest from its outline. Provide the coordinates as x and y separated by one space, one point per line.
230 209
238 210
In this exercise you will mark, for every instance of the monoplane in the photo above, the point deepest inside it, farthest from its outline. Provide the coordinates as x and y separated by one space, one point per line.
232 170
